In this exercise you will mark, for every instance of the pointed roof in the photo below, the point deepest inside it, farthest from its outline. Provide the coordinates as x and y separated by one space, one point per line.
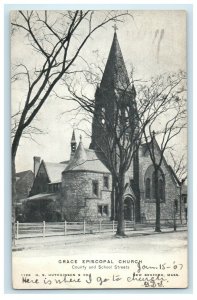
79 158
129 192
73 137
86 160
115 74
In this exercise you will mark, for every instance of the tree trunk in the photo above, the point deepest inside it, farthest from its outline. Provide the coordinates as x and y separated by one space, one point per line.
13 200
15 145
157 197
180 199
120 198
113 203
136 188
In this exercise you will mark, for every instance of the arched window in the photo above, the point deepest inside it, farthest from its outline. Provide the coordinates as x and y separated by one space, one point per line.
147 188
149 184
127 117
126 114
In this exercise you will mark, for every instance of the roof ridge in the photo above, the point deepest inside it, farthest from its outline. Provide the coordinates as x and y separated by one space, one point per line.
24 171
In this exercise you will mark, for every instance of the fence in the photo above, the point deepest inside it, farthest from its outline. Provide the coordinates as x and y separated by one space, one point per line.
43 229
164 222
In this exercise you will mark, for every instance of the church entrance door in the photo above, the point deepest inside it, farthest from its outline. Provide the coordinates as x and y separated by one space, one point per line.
129 209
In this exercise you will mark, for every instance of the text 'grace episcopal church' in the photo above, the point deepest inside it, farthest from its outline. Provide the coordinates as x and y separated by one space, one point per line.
82 188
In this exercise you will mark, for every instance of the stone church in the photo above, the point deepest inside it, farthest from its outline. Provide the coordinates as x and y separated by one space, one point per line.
82 187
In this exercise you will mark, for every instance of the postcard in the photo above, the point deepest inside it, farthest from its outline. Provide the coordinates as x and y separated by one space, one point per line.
99 149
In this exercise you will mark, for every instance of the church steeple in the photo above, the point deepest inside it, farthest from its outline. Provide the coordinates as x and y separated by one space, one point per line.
115 88
115 75
73 144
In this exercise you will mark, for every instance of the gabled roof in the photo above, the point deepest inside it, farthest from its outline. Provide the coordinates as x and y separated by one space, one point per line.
129 192
24 182
115 74
54 171
22 174
86 160
168 167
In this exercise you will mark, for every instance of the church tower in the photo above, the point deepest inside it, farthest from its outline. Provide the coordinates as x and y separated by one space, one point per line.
115 86
115 92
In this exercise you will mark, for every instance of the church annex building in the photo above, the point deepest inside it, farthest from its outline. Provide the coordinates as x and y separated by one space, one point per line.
81 188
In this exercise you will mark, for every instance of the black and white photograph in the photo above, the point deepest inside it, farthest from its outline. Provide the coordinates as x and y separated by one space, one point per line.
99 149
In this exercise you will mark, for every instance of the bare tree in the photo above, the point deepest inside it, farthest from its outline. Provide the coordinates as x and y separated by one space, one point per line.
121 131
120 137
170 91
179 168
55 41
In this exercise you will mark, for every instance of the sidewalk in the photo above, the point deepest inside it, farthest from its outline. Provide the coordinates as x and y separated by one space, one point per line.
53 241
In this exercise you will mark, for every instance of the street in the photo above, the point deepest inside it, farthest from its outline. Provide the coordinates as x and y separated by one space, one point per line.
139 242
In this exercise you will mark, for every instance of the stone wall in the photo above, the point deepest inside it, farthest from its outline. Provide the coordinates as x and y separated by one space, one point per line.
78 200
148 207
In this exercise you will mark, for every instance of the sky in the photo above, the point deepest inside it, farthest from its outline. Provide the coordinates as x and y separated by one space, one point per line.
153 42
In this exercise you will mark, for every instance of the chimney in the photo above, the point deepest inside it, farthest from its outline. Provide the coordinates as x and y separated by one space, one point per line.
36 164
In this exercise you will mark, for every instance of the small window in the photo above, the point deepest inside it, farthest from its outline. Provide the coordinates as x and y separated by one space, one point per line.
103 111
73 147
103 210
126 114
106 181
95 187
126 118
100 210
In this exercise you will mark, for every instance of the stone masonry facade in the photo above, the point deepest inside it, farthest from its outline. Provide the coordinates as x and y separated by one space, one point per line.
148 206
78 199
